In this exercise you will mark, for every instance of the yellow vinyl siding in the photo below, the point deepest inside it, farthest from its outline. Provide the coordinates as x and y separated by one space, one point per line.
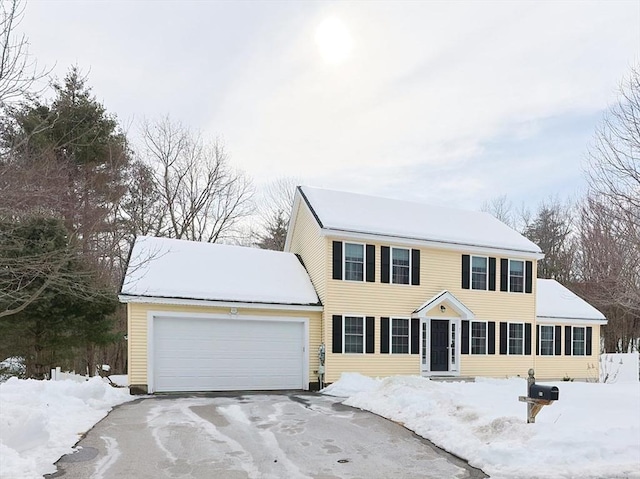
137 328
306 240
574 367
440 269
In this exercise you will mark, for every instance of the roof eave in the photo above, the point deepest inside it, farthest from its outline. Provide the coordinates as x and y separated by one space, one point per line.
133 298
327 231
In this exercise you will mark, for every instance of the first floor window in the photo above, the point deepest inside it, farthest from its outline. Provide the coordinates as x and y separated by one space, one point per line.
578 341
353 262
478 337
353 334
547 340
516 276
399 336
400 266
516 338
478 272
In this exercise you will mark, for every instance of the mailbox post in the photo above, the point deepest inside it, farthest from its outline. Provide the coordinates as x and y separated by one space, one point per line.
537 397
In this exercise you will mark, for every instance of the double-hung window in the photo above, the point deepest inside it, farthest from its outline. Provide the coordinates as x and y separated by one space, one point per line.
516 338
354 262
547 340
353 334
578 340
400 265
516 276
478 272
400 336
478 337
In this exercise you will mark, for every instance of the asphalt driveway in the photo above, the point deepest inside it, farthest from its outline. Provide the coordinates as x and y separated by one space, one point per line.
258 436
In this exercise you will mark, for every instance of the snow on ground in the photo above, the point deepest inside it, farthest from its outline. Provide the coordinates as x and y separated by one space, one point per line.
40 421
593 431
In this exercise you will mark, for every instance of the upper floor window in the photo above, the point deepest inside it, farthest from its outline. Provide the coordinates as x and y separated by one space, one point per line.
516 276
478 337
354 262
547 340
478 272
400 265
399 336
515 342
578 342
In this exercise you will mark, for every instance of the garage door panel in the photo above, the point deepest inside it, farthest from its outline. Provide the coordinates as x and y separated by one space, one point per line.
197 354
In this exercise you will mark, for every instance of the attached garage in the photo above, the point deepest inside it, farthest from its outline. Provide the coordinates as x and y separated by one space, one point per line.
221 354
209 317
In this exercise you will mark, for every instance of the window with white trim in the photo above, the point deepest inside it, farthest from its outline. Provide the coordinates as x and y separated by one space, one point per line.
400 335
354 261
515 343
400 265
578 339
479 272
516 276
354 334
478 337
547 340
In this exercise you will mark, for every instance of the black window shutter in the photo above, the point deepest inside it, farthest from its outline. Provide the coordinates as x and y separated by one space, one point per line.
503 338
491 337
415 336
558 340
464 339
384 335
527 339
337 260
528 285
504 273
466 270
538 340
588 347
492 274
337 334
384 264
567 340
415 267
371 263
370 334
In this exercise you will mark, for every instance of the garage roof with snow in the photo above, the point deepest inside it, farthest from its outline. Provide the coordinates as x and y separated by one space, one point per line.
355 213
555 301
171 268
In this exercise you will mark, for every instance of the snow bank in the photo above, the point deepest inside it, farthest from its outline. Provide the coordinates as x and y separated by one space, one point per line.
593 431
40 421
350 384
619 367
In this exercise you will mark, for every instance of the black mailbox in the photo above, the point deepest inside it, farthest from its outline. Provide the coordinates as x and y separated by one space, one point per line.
548 393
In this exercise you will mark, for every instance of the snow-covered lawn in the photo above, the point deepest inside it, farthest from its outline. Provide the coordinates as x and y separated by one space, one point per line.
593 431
40 421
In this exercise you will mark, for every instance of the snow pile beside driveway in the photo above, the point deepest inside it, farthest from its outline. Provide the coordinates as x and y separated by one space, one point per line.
40 421
593 431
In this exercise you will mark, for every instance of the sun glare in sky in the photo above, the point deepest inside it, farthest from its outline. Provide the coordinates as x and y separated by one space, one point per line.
334 41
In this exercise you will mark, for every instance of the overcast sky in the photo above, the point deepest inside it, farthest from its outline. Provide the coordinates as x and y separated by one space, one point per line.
440 102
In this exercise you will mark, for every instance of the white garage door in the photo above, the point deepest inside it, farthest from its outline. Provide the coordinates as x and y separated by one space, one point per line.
198 354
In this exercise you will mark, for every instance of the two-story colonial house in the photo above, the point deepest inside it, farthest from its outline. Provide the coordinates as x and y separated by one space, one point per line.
379 286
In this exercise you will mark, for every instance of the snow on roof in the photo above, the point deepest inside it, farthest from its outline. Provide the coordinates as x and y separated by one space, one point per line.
171 268
555 301
357 213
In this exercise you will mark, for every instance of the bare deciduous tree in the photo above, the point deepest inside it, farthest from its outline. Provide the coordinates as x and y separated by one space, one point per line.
18 70
275 212
200 196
